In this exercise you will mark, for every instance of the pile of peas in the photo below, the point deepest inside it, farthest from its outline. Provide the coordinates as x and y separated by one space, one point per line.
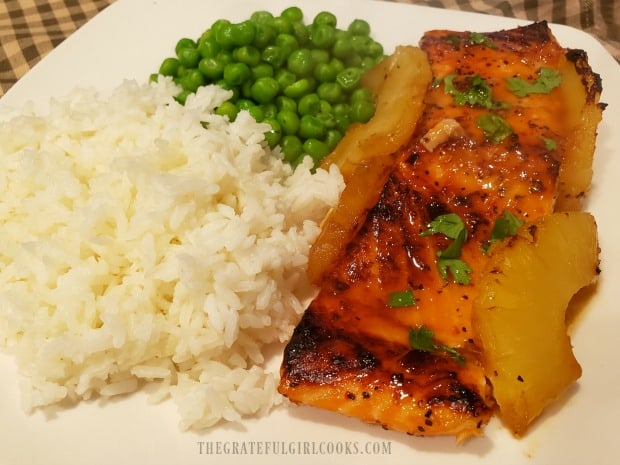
304 80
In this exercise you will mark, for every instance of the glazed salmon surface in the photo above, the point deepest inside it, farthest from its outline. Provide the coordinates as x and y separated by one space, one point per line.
351 352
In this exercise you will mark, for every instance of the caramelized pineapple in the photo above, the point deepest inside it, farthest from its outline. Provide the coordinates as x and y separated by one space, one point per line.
368 151
581 90
519 314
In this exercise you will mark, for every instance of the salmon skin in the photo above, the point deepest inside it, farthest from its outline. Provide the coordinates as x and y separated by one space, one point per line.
352 351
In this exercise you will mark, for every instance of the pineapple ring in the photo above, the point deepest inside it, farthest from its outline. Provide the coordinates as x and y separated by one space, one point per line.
519 314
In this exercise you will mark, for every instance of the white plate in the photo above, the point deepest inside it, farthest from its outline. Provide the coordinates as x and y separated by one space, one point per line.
129 40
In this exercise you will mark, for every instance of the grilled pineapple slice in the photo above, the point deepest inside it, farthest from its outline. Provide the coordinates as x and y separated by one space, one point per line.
519 314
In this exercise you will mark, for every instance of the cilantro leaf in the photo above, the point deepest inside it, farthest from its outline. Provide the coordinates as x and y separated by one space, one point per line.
477 93
423 339
401 299
506 225
550 144
548 79
459 270
494 127
477 38
450 225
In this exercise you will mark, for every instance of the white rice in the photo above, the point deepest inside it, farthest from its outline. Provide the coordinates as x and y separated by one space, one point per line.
139 248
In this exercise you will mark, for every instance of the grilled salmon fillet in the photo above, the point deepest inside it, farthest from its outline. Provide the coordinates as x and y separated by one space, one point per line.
351 352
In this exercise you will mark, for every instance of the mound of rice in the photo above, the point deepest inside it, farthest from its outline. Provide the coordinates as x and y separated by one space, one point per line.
139 248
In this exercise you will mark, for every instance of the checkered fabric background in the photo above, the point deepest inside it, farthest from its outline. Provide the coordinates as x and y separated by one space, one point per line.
29 29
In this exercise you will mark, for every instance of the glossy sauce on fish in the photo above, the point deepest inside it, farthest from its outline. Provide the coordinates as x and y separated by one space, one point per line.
351 352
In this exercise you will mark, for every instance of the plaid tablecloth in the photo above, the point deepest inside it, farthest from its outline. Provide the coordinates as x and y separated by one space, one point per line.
29 29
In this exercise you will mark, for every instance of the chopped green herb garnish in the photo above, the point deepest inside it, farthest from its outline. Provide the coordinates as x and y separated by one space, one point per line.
550 144
495 127
451 226
453 39
401 299
476 93
423 339
459 270
477 38
506 225
548 79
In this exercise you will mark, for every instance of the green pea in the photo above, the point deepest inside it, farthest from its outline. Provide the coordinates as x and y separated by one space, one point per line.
332 137
247 54
362 93
309 104
349 78
374 49
286 103
264 89
282 25
274 55
293 14
269 110
327 119
320 55
257 113
189 57
301 33
225 56
292 147
285 78
367 63
300 62
211 68
297 89
341 109
289 121
228 109
234 89
169 67
208 48
359 27
362 111
273 135
184 43
262 70
316 149
342 47
243 33
322 35
342 122
265 34
325 17
359 44
181 97
353 61
236 74
311 127
154 77
287 43
192 80
262 17
324 72
337 64
244 104
246 88
224 36
330 91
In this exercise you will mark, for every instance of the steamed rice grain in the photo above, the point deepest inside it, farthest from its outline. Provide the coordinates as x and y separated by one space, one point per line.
140 247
